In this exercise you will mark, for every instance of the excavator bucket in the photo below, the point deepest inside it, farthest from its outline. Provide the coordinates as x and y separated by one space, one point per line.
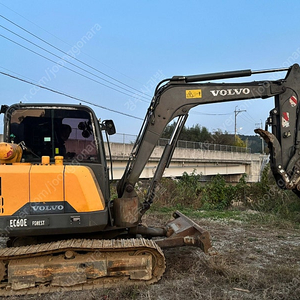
182 231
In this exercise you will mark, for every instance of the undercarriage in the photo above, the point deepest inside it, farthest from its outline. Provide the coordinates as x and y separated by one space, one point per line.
80 264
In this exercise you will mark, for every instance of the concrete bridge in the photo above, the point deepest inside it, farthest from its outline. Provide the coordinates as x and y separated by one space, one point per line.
202 158
207 162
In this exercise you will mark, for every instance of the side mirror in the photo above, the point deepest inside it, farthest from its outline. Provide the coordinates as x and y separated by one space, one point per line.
108 126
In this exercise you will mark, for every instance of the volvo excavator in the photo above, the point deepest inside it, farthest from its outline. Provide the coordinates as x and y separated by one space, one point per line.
63 230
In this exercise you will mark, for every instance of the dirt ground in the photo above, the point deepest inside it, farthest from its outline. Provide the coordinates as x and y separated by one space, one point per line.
250 261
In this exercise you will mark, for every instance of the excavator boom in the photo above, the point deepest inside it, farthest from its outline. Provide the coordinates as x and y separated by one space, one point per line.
181 93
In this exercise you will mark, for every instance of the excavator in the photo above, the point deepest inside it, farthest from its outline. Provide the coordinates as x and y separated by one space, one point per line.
63 230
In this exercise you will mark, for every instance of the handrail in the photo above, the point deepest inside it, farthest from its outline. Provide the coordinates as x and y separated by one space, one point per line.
124 138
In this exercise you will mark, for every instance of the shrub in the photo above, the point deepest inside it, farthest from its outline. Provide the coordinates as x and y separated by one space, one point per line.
189 192
183 192
266 196
216 194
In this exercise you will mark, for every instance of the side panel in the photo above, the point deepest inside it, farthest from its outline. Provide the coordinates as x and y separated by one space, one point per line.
14 188
46 183
82 191
50 199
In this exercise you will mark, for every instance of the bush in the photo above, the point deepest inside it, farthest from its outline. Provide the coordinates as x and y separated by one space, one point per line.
266 196
190 193
188 189
183 192
217 194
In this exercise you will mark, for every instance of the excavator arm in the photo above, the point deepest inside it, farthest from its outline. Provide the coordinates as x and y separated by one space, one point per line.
181 93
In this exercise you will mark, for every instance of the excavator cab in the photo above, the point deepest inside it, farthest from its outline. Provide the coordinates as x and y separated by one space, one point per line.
60 183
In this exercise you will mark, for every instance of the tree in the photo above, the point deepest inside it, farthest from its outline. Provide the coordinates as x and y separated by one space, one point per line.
196 133
239 142
218 137
168 131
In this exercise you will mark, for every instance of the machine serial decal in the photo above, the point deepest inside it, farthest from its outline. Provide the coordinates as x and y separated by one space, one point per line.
293 101
230 92
18 223
192 94
15 223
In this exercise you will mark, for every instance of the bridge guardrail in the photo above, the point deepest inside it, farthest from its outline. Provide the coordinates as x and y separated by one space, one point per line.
124 138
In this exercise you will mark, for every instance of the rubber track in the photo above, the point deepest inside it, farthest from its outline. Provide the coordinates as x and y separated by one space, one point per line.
47 249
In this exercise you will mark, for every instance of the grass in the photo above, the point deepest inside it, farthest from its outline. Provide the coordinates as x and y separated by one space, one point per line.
201 214
246 216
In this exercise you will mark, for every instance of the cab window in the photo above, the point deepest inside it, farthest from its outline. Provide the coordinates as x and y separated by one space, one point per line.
54 132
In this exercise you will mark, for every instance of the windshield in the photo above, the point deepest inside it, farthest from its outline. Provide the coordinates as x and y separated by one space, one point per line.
54 132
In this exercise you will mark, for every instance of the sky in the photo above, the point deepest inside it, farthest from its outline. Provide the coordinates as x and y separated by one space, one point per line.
120 50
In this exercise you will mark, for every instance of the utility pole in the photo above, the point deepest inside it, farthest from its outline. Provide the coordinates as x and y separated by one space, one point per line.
236 112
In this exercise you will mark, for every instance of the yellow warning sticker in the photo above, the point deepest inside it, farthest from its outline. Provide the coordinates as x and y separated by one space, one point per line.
191 94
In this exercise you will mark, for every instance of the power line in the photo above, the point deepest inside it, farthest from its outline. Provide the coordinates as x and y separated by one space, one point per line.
65 53
27 81
68 43
70 69
247 119
69 62
69 96
251 118
16 73
213 114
